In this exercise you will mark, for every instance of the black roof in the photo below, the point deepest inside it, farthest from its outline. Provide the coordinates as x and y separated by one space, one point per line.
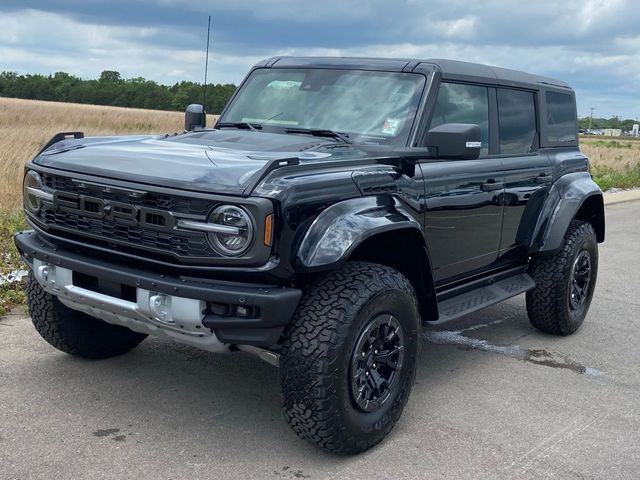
451 69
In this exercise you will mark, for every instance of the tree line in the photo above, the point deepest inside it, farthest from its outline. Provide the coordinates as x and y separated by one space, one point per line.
112 89
602 123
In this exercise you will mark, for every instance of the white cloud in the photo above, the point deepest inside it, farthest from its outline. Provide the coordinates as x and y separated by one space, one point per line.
51 42
592 44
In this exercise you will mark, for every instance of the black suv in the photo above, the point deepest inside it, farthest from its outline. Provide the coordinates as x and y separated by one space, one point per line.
336 205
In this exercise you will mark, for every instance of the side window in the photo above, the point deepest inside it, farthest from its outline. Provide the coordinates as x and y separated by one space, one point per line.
458 103
561 118
517 120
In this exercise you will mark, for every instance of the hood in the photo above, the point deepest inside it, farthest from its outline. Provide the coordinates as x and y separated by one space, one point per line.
213 161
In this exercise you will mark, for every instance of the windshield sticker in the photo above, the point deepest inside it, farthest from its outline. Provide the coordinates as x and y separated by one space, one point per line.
284 84
391 126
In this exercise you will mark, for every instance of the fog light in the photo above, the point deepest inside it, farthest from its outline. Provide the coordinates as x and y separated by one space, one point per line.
242 311
221 309
160 308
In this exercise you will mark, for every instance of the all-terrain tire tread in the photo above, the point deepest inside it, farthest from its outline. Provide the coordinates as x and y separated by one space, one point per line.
74 332
546 303
318 329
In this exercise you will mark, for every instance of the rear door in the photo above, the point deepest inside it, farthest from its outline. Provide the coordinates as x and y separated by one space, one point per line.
527 171
463 197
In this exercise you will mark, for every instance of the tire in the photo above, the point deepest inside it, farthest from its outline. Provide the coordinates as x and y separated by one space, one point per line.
74 332
338 316
554 305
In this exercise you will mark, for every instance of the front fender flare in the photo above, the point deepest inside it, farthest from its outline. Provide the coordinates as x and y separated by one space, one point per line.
566 197
339 229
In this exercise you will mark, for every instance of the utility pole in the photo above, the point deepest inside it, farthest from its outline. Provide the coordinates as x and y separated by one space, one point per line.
591 118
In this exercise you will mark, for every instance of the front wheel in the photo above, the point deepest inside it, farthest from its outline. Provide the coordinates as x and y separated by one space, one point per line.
349 357
565 282
74 332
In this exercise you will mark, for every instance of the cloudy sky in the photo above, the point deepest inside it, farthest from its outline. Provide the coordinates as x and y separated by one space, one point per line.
592 44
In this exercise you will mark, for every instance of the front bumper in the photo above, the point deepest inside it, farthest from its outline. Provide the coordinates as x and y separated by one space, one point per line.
203 313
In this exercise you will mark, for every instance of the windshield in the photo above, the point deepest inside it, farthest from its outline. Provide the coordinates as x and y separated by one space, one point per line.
370 107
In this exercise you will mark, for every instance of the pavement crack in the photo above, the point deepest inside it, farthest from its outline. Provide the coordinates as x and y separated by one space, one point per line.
544 448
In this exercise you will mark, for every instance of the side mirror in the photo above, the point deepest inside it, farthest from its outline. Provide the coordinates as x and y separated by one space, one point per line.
195 117
456 140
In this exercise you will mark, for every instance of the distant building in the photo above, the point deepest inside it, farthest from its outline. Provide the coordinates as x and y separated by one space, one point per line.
635 131
613 132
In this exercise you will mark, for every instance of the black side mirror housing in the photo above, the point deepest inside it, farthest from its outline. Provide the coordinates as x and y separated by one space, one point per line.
456 140
195 117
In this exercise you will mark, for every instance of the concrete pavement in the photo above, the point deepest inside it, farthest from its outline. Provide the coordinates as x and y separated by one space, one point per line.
621 196
494 398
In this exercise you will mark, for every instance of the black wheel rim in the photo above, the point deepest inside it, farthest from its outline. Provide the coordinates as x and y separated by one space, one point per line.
376 362
581 272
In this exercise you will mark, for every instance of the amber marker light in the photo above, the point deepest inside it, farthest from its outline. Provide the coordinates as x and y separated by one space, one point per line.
268 230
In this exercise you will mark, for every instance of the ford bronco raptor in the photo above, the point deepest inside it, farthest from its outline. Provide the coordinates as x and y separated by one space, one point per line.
335 206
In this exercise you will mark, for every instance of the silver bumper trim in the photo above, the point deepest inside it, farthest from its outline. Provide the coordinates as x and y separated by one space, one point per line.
153 313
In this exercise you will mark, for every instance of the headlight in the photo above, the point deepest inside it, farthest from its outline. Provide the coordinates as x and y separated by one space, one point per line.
239 235
32 191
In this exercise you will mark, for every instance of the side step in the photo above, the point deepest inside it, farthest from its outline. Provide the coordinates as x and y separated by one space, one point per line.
482 297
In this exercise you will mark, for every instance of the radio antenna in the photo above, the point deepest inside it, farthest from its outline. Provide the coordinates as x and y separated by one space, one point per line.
206 68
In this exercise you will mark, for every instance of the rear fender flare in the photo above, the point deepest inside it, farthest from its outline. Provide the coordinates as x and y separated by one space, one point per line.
566 197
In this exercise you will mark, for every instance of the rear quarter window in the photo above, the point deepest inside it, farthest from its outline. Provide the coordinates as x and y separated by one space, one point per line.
562 126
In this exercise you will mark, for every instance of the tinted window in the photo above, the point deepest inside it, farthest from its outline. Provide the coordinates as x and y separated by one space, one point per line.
457 103
561 118
517 119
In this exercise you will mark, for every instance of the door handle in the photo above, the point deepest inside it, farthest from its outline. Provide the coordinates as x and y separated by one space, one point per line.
544 178
491 185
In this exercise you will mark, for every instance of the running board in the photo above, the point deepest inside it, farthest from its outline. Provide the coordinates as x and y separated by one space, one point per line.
482 297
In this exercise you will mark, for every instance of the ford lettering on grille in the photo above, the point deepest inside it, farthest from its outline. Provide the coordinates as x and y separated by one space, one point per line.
117 212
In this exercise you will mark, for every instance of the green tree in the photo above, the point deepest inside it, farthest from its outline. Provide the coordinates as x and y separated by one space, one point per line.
111 89
110 76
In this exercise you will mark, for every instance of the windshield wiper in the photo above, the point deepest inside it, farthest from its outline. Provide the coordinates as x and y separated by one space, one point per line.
321 132
253 126
240 125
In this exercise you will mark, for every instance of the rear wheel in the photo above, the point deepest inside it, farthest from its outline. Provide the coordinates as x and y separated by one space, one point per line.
74 332
565 282
349 357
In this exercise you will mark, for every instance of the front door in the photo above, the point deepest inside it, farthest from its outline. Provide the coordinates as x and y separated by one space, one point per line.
463 197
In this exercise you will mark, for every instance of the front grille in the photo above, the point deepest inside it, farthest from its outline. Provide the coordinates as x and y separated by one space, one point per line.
134 238
176 204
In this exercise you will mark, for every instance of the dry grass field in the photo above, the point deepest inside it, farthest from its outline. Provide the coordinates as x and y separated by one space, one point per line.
615 162
25 125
